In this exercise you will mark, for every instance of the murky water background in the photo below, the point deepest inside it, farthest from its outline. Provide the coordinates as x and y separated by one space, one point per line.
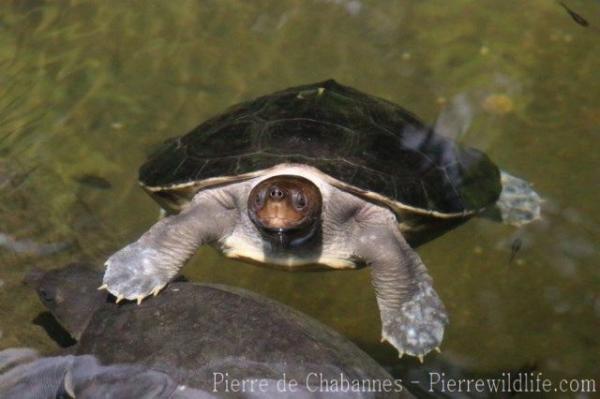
87 88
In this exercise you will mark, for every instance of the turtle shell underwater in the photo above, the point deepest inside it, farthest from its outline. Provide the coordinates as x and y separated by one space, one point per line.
320 174
244 337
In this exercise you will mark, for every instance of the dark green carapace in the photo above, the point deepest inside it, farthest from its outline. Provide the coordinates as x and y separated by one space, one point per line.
361 140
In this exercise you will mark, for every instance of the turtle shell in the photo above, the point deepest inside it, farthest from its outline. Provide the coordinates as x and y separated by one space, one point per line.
368 145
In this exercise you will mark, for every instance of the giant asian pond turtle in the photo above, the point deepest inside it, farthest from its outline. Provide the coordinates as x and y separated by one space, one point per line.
325 175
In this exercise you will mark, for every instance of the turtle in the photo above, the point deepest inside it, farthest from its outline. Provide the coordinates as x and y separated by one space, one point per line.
204 336
319 175
26 374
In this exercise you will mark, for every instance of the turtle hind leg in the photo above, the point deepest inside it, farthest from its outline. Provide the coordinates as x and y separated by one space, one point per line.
518 203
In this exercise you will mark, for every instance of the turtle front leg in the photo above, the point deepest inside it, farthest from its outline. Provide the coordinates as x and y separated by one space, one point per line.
145 266
413 317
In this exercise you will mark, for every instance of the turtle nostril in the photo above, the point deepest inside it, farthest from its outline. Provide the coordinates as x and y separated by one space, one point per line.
276 193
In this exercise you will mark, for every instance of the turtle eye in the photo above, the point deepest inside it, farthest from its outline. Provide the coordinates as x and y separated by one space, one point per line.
259 199
45 295
299 201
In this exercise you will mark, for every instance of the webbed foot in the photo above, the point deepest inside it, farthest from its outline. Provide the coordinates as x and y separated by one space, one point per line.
518 203
417 327
134 273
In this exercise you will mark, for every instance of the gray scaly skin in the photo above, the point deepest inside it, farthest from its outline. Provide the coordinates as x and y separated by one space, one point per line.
354 233
147 265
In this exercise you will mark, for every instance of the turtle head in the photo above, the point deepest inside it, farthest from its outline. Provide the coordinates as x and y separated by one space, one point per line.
70 294
286 209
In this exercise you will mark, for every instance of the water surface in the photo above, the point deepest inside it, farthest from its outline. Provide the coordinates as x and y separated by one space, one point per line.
88 88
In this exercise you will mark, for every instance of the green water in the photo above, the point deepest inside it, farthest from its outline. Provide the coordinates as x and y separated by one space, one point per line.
87 88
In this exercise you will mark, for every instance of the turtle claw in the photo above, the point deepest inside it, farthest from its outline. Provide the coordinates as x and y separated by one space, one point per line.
421 358
135 272
103 287
437 349
417 327
156 290
119 298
